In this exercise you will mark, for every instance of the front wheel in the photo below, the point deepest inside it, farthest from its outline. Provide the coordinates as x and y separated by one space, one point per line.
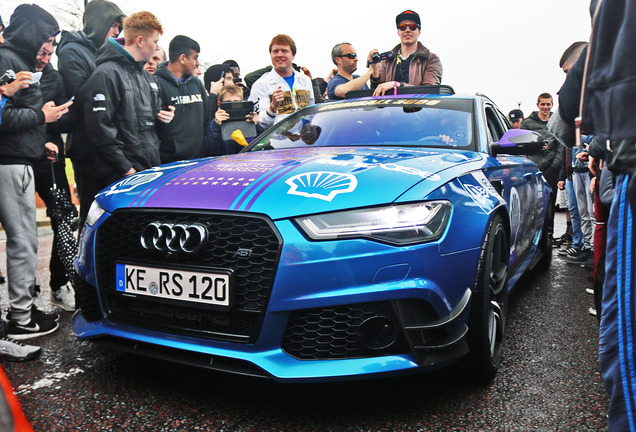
487 320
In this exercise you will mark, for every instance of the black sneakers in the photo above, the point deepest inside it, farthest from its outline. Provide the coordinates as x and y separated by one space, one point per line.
580 257
34 328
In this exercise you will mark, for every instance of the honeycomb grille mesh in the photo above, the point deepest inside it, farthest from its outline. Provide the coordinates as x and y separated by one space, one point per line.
334 332
118 241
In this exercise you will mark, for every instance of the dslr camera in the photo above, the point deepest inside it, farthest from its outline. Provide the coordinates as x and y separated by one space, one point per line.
8 77
378 57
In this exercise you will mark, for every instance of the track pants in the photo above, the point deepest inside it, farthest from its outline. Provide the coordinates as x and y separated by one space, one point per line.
618 317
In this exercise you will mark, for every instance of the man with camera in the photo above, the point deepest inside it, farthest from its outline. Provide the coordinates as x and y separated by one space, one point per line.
345 58
410 62
183 137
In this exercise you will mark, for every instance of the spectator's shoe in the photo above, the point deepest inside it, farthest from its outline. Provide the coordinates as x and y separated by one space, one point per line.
565 238
589 290
63 297
589 264
39 315
580 257
17 351
592 311
2 278
569 251
34 328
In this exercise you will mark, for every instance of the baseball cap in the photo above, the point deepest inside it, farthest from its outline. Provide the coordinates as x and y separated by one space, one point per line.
515 114
408 15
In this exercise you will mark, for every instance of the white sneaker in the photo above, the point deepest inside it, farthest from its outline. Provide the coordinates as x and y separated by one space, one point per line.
64 298
18 351
589 290
592 311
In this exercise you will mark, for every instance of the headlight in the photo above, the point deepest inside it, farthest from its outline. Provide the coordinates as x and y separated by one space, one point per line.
94 213
398 224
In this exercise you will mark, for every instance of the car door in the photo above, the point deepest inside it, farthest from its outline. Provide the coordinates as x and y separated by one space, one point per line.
515 177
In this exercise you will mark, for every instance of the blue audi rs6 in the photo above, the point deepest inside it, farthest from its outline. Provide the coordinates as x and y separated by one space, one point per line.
356 238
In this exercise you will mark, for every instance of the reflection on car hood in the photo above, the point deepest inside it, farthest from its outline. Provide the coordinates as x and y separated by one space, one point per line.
288 183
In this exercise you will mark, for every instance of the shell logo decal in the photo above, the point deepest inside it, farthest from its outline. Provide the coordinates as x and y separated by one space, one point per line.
131 182
324 185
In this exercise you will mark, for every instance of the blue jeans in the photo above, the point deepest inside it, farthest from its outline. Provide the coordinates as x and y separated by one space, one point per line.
577 234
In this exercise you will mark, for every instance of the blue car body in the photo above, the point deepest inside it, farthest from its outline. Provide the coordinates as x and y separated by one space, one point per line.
300 286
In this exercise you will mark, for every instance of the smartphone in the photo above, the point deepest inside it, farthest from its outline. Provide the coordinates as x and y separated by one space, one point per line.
8 77
237 110
36 78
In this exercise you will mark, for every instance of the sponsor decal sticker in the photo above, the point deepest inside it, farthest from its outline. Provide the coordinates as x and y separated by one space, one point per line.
324 185
131 182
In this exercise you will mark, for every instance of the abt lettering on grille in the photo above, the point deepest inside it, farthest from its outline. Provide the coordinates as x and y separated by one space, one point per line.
167 237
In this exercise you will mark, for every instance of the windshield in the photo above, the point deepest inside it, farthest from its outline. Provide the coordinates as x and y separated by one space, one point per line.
422 122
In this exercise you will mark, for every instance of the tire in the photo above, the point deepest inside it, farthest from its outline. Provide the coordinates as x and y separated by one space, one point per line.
487 321
545 243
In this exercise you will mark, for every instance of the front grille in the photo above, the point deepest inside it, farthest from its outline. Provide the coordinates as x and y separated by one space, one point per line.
118 241
335 332
86 299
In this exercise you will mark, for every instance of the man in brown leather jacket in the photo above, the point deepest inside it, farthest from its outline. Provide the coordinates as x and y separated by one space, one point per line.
412 63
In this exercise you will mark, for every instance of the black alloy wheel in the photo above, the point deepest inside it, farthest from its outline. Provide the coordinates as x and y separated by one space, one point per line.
487 320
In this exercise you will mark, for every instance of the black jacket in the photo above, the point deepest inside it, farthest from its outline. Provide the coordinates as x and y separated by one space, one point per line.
183 137
77 50
120 103
23 122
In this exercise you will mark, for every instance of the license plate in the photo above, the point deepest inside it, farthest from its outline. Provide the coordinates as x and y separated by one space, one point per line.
184 285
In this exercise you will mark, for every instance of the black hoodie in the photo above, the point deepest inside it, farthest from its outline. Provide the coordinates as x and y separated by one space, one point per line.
77 50
183 137
119 103
22 131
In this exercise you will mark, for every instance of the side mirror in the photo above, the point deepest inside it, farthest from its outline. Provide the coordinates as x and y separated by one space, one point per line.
518 142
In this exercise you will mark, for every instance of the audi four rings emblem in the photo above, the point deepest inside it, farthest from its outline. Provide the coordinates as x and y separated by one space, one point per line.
166 237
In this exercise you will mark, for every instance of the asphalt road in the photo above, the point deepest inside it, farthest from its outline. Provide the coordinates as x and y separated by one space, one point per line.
549 380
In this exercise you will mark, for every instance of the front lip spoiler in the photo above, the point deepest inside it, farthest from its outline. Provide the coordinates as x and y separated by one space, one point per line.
190 358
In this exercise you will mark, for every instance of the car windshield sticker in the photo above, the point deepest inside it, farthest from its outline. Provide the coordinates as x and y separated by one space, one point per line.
131 182
324 185
379 102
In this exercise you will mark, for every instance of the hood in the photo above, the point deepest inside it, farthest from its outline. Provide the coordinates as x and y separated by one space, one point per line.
78 37
29 28
113 50
289 183
162 71
98 17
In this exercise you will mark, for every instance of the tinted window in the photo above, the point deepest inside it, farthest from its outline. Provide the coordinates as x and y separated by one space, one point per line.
378 122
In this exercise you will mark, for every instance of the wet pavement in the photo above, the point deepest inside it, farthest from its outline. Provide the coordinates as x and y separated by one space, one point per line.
549 380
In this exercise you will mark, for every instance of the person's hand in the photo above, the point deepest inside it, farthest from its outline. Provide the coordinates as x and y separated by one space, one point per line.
166 116
130 171
582 156
53 113
220 116
561 184
332 73
592 185
252 117
277 99
215 86
306 71
382 88
51 151
21 81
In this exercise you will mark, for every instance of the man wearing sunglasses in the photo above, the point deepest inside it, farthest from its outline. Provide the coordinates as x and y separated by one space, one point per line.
345 58
412 63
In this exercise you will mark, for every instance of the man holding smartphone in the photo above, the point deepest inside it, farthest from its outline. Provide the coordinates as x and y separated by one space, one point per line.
22 134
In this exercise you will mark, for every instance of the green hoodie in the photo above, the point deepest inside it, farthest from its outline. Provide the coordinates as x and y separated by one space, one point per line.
98 18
